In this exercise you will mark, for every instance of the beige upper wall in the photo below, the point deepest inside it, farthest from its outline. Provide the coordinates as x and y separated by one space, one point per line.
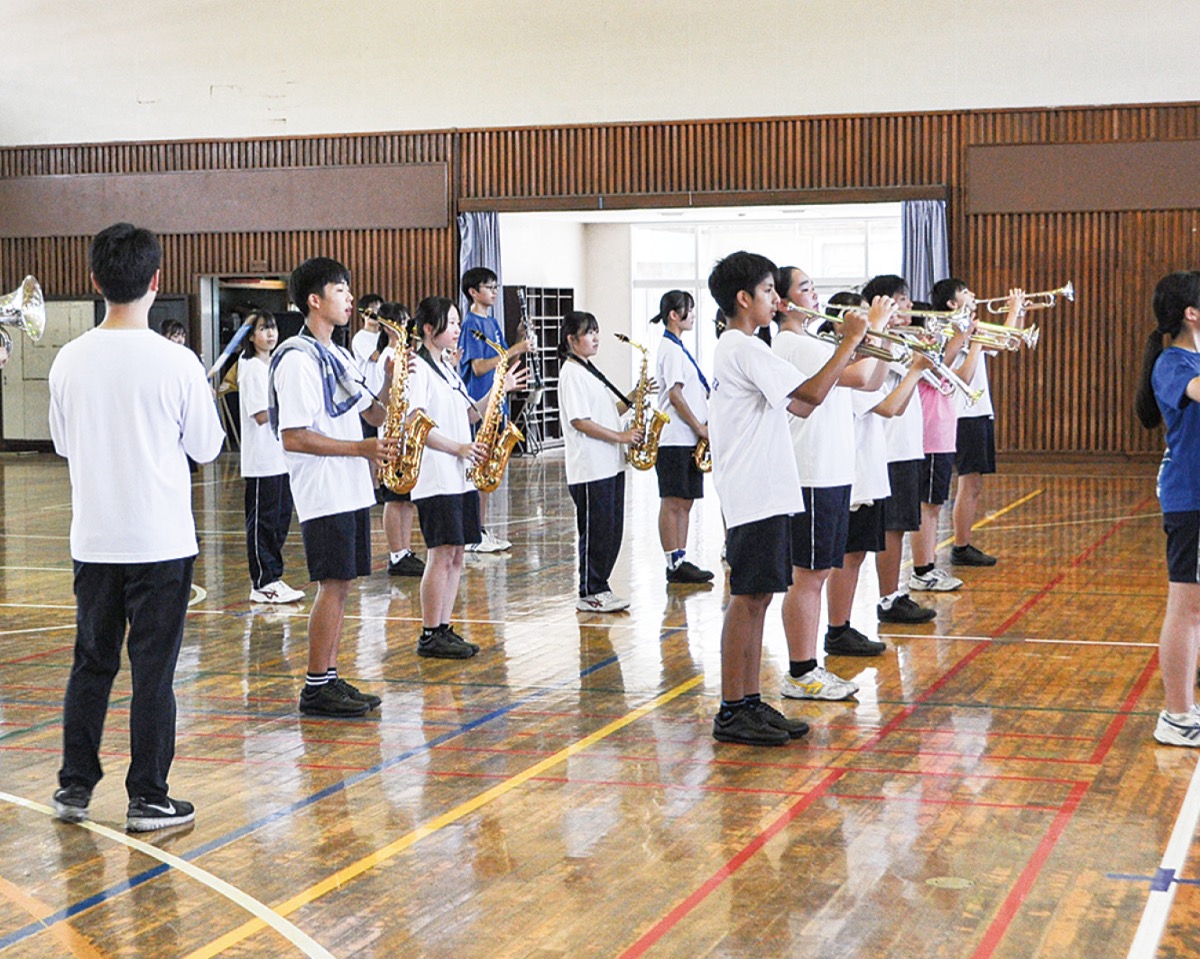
78 71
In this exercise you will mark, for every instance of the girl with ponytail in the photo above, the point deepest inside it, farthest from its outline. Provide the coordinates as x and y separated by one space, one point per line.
1169 392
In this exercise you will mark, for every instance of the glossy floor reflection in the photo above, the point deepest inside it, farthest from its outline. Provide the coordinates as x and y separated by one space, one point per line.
993 791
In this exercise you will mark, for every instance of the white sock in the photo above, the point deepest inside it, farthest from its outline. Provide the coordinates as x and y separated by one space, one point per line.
396 557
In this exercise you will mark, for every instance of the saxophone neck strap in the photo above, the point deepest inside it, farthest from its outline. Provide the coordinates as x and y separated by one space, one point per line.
587 365
452 381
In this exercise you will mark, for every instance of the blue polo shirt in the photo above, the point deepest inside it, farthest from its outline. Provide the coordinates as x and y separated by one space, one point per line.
1179 474
474 349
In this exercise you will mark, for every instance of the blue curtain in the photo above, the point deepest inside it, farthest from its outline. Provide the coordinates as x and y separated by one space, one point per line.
479 245
926 256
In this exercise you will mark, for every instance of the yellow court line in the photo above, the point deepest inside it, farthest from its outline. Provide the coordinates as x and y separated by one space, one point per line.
75 943
345 875
266 916
993 516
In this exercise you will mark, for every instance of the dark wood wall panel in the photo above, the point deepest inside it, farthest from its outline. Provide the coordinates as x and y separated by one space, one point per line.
1071 394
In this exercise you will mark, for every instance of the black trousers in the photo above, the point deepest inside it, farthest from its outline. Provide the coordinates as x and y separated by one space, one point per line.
268 519
152 599
600 521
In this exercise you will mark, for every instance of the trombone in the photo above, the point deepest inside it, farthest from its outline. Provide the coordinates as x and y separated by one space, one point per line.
880 351
1033 301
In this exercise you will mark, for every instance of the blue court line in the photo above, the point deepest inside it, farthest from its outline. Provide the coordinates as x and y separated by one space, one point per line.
42 924
1160 882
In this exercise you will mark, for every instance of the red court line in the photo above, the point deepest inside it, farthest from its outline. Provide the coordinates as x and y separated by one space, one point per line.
44 652
1032 869
1017 895
1118 722
664 925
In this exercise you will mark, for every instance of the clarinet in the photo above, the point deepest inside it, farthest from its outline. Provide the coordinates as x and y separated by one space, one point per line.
534 361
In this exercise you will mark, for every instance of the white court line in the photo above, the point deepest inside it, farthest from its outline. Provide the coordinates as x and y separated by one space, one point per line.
1014 640
1000 528
1158 906
37 629
39 569
257 909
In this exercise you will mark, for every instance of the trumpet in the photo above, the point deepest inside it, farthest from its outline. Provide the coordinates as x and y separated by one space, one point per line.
881 351
1033 301
939 320
998 336
942 378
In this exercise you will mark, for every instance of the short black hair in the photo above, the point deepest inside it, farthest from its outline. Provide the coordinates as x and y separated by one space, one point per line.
475 277
886 284
369 300
575 323
170 327
944 291
736 272
123 259
845 300
312 276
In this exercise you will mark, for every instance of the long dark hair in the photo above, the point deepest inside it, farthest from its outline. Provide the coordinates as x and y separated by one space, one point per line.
1173 295
678 301
249 350
433 311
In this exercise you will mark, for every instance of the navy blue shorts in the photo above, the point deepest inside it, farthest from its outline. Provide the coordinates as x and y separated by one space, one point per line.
450 520
677 474
867 533
338 546
975 445
902 510
390 497
1183 546
935 478
759 556
819 533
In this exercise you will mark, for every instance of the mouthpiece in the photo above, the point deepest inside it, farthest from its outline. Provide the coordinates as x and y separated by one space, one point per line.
622 337
478 335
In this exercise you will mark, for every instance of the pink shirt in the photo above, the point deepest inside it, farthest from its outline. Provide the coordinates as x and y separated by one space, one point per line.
940 419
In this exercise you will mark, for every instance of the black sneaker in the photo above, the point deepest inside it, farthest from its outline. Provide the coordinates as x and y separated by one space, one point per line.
853 643
462 639
748 727
372 701
330 699
970 556
410 564
795 728
444 644
904 610
71 803
145 816
690 573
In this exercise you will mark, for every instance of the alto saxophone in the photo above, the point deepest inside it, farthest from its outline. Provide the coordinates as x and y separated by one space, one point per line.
499 438
641 456
399 472
702 457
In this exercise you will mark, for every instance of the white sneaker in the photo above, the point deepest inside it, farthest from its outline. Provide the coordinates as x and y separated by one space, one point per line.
817 684
1170 732
936 580
498 543
601 603
276 592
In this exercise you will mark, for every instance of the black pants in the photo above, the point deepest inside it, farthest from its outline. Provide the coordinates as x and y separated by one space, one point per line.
152 598
268 519
600 521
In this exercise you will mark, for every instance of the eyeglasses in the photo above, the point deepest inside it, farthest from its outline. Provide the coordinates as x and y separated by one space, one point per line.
490 286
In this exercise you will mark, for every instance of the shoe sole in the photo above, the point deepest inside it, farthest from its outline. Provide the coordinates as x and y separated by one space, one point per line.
164 822
933 589
791 693
333 714
970 562
908 620
432 654
70 813
856 651
1171 740
746 741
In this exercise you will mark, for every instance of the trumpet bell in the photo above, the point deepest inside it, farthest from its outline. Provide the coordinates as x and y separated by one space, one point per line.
25 307
1068 292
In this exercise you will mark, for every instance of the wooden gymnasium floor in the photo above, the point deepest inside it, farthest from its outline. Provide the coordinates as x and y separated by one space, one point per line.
994 790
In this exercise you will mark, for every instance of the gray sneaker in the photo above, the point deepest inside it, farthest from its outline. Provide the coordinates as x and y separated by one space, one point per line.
71 803
144 816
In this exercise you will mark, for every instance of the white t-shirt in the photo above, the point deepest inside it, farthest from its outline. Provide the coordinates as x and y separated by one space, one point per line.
905 433
262 451
870 448
581 396
979 381
127 408
821 440
362 346
321 485
674 367
445 400
754 475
